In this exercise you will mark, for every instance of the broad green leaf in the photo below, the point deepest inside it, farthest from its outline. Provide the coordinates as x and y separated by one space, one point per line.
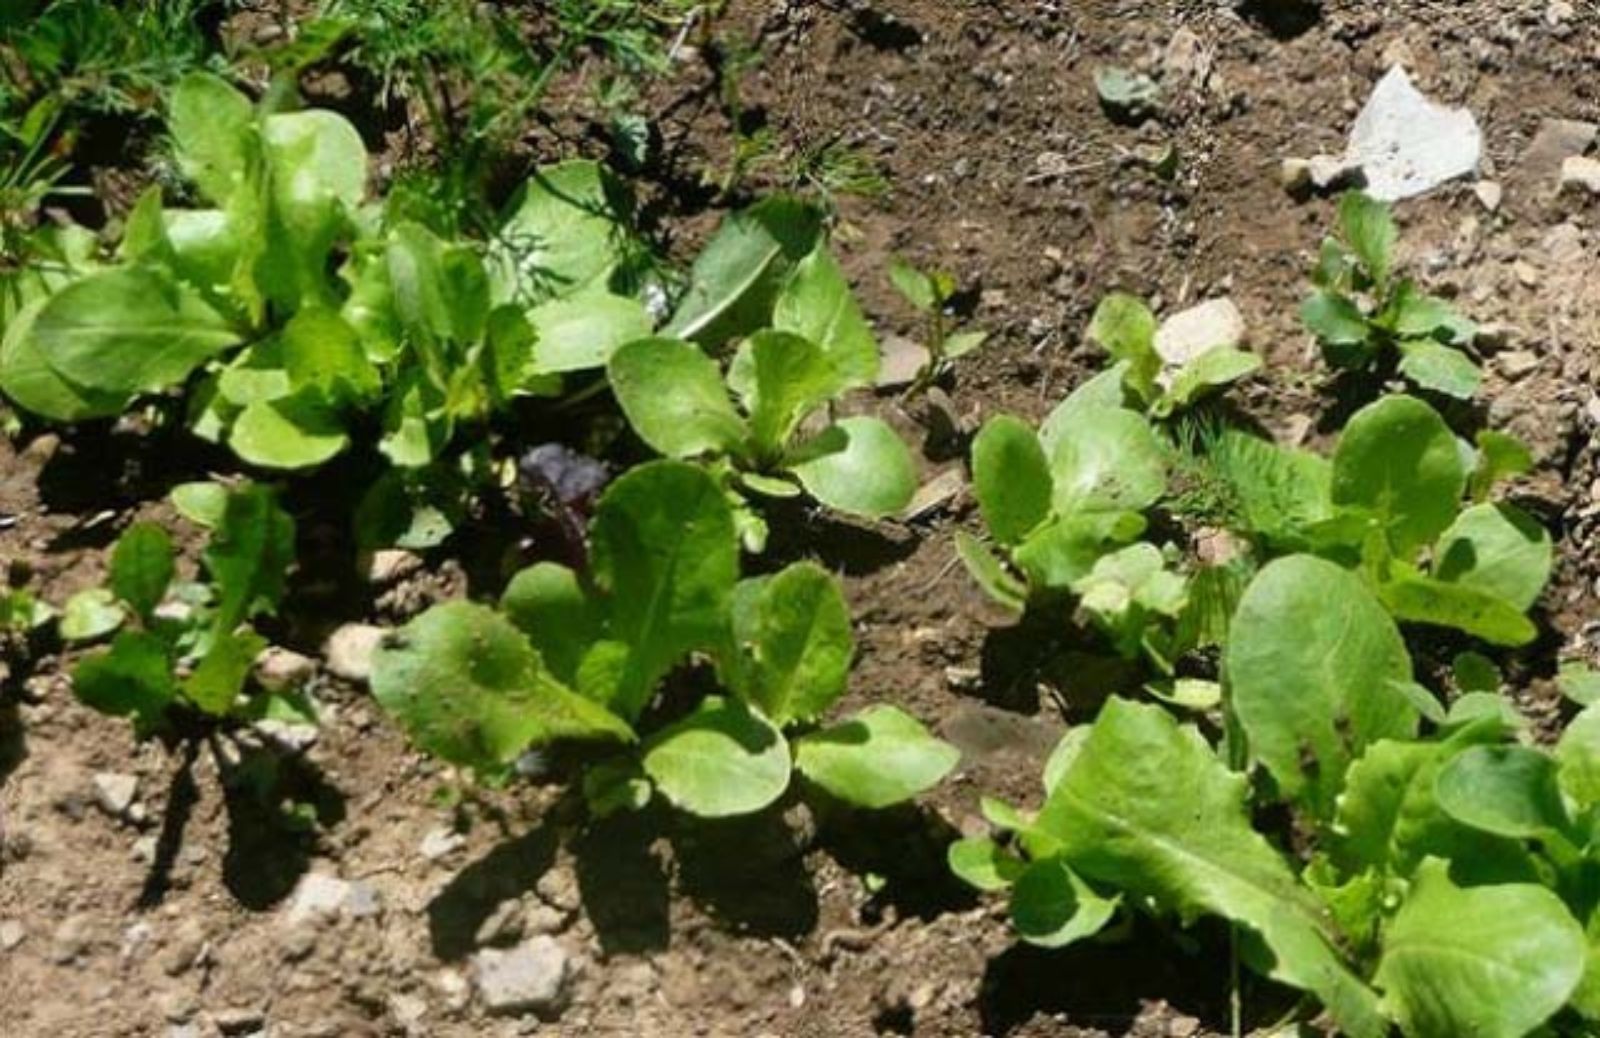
794 627
568 230
90 614
1417 315
1310 659
1578 754
1510 791
205 247
615 785
419 289
738 278
1065 549
133 677
1051 906
789 377
1420 599
880 757
1061 757
202 503
142 566
249 557
1370 232
1498 549
1107 460
27 379
665 552
1499 455
1146 808
990 573
321 351
255 374
1398 459
1010 478
128 330
722 760
673 396
296 432
1334 318
1475 672
816 304
980 863
1491 961
1125 328
220 675
1217 367
468 687
1579 683
211 124
873 476
584 331
1443 369
415 427
551 607
317 169
1103 391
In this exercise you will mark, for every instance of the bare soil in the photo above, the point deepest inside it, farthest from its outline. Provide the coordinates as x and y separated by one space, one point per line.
1006 171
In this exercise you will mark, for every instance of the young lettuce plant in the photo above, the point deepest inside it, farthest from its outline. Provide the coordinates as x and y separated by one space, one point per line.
579 657
1155 382
1365 316
930 292
1445 887
188 648
768 282
1065 507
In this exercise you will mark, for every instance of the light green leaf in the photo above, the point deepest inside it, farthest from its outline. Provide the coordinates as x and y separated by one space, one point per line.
1101 392
737 279
584 331
1497 549
1579 682
250 555
1420 599
1418 315
789 377
210 123
873 476
1011 478
322 352
990 573
551 607
816 304
1107 460
1499 455
296 432
1334 318
202 503
673 396
918 288
1398 459
1490 961
128 330
1510 791
1310 659
665 552
27 379
568 231
142 566
980 863
880 757
469 688
615 785
962 343
219 677
1147 808
793 629
1370 232
205 249
1443 369
90 614
1217 367
1125 328
1051 906
1578 754
1065 549
722 760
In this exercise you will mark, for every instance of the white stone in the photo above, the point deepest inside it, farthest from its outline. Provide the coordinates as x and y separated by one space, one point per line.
114 793
1334 171
1489 193
1189 333
321 896
388 565
279 670
1581 172
441 843
1407 145
349 650
11 934
530 978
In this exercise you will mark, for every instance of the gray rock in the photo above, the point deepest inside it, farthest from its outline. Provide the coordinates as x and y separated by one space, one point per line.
114 793
1517 364
321 896
1581 173
279 670
441 843
1556 141
183 1031
1189 333
902 361
1407 145
1489 193
1186 59
530 978
239 1021
11 934
349 650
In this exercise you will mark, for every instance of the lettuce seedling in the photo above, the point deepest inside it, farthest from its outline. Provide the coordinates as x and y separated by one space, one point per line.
930 293
579 658
1365 316
1160 384
188 647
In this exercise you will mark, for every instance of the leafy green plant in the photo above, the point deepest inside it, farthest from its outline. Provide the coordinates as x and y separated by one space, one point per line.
580 657
768 282
1364 315
1160 384
1444 884
930 292
187 648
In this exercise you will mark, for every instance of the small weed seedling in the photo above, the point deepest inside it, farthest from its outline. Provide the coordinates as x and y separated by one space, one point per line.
930 293
579 657
1160 385
1364 315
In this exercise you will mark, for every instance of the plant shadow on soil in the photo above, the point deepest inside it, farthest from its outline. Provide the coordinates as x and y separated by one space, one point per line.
1106 983
748 874
270 797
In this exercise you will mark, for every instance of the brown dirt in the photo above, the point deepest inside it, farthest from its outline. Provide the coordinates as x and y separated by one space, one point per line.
1005 171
